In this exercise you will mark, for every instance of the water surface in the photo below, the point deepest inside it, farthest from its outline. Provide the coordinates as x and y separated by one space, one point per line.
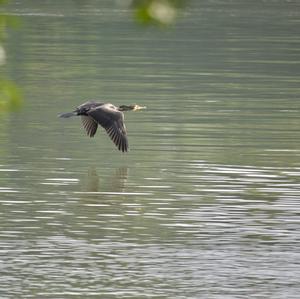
205 204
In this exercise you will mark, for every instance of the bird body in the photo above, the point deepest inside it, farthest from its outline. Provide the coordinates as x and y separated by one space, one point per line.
108 116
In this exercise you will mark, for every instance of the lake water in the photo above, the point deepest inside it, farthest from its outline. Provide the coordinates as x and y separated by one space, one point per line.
205 204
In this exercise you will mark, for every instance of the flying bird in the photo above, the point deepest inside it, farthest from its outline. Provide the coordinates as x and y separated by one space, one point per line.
108 116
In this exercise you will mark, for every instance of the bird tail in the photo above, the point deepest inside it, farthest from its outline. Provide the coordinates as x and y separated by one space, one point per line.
68 114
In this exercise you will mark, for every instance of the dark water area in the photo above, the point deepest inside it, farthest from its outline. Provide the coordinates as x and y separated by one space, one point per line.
205 204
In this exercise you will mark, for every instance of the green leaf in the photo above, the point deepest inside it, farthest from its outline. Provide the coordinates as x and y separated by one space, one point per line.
10 96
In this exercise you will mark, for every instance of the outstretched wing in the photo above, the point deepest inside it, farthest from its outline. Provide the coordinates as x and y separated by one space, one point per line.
112 120
89 124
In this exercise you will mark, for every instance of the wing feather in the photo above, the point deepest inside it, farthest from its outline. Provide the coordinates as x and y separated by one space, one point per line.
89 125
112 120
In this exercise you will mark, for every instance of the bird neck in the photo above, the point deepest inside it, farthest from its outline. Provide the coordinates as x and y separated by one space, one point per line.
125 108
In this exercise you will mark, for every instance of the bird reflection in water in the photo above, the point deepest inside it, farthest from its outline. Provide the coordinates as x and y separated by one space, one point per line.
120 178
92 181
114 183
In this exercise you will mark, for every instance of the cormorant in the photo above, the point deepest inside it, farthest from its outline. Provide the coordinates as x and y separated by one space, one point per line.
110 117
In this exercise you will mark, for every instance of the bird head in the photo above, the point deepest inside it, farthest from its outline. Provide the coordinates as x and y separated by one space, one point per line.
130 108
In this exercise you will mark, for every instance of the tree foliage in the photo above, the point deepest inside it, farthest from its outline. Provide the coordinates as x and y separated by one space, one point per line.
158 12
10 96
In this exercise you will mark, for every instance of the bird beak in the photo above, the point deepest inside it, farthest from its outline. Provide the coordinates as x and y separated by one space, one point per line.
137 107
